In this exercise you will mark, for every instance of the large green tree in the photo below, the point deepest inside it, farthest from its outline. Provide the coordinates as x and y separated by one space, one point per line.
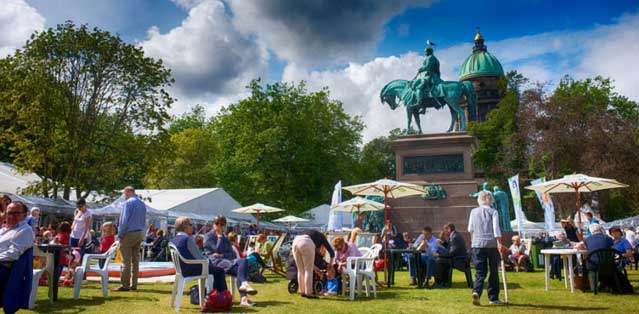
286 147
187 156
377 159
80 108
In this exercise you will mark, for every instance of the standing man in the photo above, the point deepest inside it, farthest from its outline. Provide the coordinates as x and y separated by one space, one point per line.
131 235
486 246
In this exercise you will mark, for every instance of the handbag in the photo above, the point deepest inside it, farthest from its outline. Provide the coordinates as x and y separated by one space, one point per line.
218 301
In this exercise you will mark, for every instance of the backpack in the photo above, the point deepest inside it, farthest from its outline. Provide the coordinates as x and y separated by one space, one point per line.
194 295
218 301
256 277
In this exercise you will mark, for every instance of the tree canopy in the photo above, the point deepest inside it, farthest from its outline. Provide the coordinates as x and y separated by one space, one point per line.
79 107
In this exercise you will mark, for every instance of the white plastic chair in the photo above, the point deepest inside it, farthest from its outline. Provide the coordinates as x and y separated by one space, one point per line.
364 251
89 267
180 281
375 249
350 272
37 274
366 270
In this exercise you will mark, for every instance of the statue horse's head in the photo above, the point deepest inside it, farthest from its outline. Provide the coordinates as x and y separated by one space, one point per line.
392 92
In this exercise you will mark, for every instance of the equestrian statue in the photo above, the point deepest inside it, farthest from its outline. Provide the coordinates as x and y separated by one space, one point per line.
427 90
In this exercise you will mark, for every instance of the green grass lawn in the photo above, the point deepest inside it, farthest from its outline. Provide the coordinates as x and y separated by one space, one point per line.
526 292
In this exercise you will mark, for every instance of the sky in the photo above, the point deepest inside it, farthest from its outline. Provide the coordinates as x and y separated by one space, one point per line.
215 47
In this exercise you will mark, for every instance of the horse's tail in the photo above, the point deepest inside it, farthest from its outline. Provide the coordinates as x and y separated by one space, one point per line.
392 92
471 99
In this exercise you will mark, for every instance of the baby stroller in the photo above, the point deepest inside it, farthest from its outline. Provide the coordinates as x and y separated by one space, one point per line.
291 276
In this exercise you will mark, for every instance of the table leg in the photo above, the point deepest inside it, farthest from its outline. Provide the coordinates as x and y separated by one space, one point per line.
419 271
572 275
388 269
565 262
56 274
547 270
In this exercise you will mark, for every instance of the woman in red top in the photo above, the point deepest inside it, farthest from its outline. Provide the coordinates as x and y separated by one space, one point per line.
233 238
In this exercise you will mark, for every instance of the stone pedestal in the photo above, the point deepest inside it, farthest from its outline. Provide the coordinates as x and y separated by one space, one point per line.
442 159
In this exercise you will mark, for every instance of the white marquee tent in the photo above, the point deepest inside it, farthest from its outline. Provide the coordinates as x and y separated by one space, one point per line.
318 217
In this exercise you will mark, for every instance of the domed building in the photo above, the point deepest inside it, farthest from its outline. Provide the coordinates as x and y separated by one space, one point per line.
483 70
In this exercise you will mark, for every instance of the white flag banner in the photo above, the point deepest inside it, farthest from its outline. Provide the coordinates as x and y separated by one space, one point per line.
546 204
513 182
335 217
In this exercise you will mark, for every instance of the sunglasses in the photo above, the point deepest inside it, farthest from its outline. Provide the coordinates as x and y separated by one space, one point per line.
15 213
220 224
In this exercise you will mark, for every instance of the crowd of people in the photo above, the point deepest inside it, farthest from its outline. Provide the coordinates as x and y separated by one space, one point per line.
311 250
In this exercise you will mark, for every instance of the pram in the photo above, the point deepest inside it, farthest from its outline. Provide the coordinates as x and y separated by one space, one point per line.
291 276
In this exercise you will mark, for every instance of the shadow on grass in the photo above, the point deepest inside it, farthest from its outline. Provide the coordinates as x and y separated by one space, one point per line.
558 307
79 305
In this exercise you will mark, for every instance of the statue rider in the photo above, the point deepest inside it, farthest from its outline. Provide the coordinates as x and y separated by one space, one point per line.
428 77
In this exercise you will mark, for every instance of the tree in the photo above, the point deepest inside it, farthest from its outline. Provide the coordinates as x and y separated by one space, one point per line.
187 156
80 107
285 147
377 159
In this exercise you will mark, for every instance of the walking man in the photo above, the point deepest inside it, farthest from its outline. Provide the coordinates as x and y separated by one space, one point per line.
131 235
486 246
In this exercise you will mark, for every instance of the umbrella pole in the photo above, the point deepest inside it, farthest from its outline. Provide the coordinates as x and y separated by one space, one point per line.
578 204
385 237
257 217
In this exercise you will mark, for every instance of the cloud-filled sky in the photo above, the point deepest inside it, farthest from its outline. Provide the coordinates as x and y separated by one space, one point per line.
215 47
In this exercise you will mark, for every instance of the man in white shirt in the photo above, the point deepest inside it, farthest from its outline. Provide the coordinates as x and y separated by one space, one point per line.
16 236
486 246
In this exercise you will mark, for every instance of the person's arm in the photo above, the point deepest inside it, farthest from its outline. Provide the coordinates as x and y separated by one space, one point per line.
497 230
124 218
22 241
471 223
192 247
329 248
228 248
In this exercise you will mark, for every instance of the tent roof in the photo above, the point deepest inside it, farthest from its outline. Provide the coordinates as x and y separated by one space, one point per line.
207 202
46 205
11 181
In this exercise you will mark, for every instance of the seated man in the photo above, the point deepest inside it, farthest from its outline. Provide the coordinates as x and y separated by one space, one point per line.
428 245
16 237
597 240
622 245
189 250
454 255
518 252
264 246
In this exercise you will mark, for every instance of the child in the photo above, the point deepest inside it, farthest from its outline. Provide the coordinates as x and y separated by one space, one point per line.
74 261
62 238
47 236
108 238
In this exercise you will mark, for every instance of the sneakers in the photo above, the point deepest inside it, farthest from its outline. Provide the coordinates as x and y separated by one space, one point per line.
330 292
245 287
476 299
246 302
497 302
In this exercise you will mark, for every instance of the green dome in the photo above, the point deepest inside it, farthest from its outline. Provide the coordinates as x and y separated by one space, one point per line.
480 63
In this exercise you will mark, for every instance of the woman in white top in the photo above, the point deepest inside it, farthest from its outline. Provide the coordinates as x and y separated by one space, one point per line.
80 235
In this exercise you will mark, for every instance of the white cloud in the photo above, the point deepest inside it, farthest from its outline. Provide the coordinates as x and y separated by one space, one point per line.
209 58
186 4
18 21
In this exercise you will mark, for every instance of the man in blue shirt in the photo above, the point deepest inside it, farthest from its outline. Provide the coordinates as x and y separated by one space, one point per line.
428 245
131 235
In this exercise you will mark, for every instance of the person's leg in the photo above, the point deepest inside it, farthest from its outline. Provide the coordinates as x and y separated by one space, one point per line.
299 263
481 267
431 266
443 267
135 260
125 254
412 266
219 280
493 278
308 257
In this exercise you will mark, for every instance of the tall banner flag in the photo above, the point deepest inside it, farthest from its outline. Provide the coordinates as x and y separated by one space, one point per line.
546 204
334 217
513 182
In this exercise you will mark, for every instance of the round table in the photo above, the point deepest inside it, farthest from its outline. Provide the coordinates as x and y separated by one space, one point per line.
566 255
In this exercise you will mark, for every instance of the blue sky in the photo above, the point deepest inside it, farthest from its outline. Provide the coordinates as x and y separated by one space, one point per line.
215 47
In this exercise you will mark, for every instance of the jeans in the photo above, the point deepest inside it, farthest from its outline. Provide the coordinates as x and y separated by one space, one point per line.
484 258
237 268
425 259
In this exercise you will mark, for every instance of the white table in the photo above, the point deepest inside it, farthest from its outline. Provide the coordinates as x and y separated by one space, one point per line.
566 255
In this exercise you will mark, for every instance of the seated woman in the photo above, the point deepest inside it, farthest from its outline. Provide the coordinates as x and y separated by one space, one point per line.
343 250
159 245
187 248
622 245
219 250
264 246
518 254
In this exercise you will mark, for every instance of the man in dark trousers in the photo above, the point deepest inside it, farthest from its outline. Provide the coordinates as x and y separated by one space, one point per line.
454 256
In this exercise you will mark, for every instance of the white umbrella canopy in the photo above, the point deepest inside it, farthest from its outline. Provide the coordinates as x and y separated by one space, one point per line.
386 188
290 219
576 183
257 209
358 204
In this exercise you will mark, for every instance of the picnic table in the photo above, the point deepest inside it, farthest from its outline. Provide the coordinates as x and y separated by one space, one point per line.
393 254
566 255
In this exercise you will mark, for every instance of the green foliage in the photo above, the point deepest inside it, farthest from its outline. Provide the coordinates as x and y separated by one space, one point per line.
285 147
80 107
377 159
194 119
